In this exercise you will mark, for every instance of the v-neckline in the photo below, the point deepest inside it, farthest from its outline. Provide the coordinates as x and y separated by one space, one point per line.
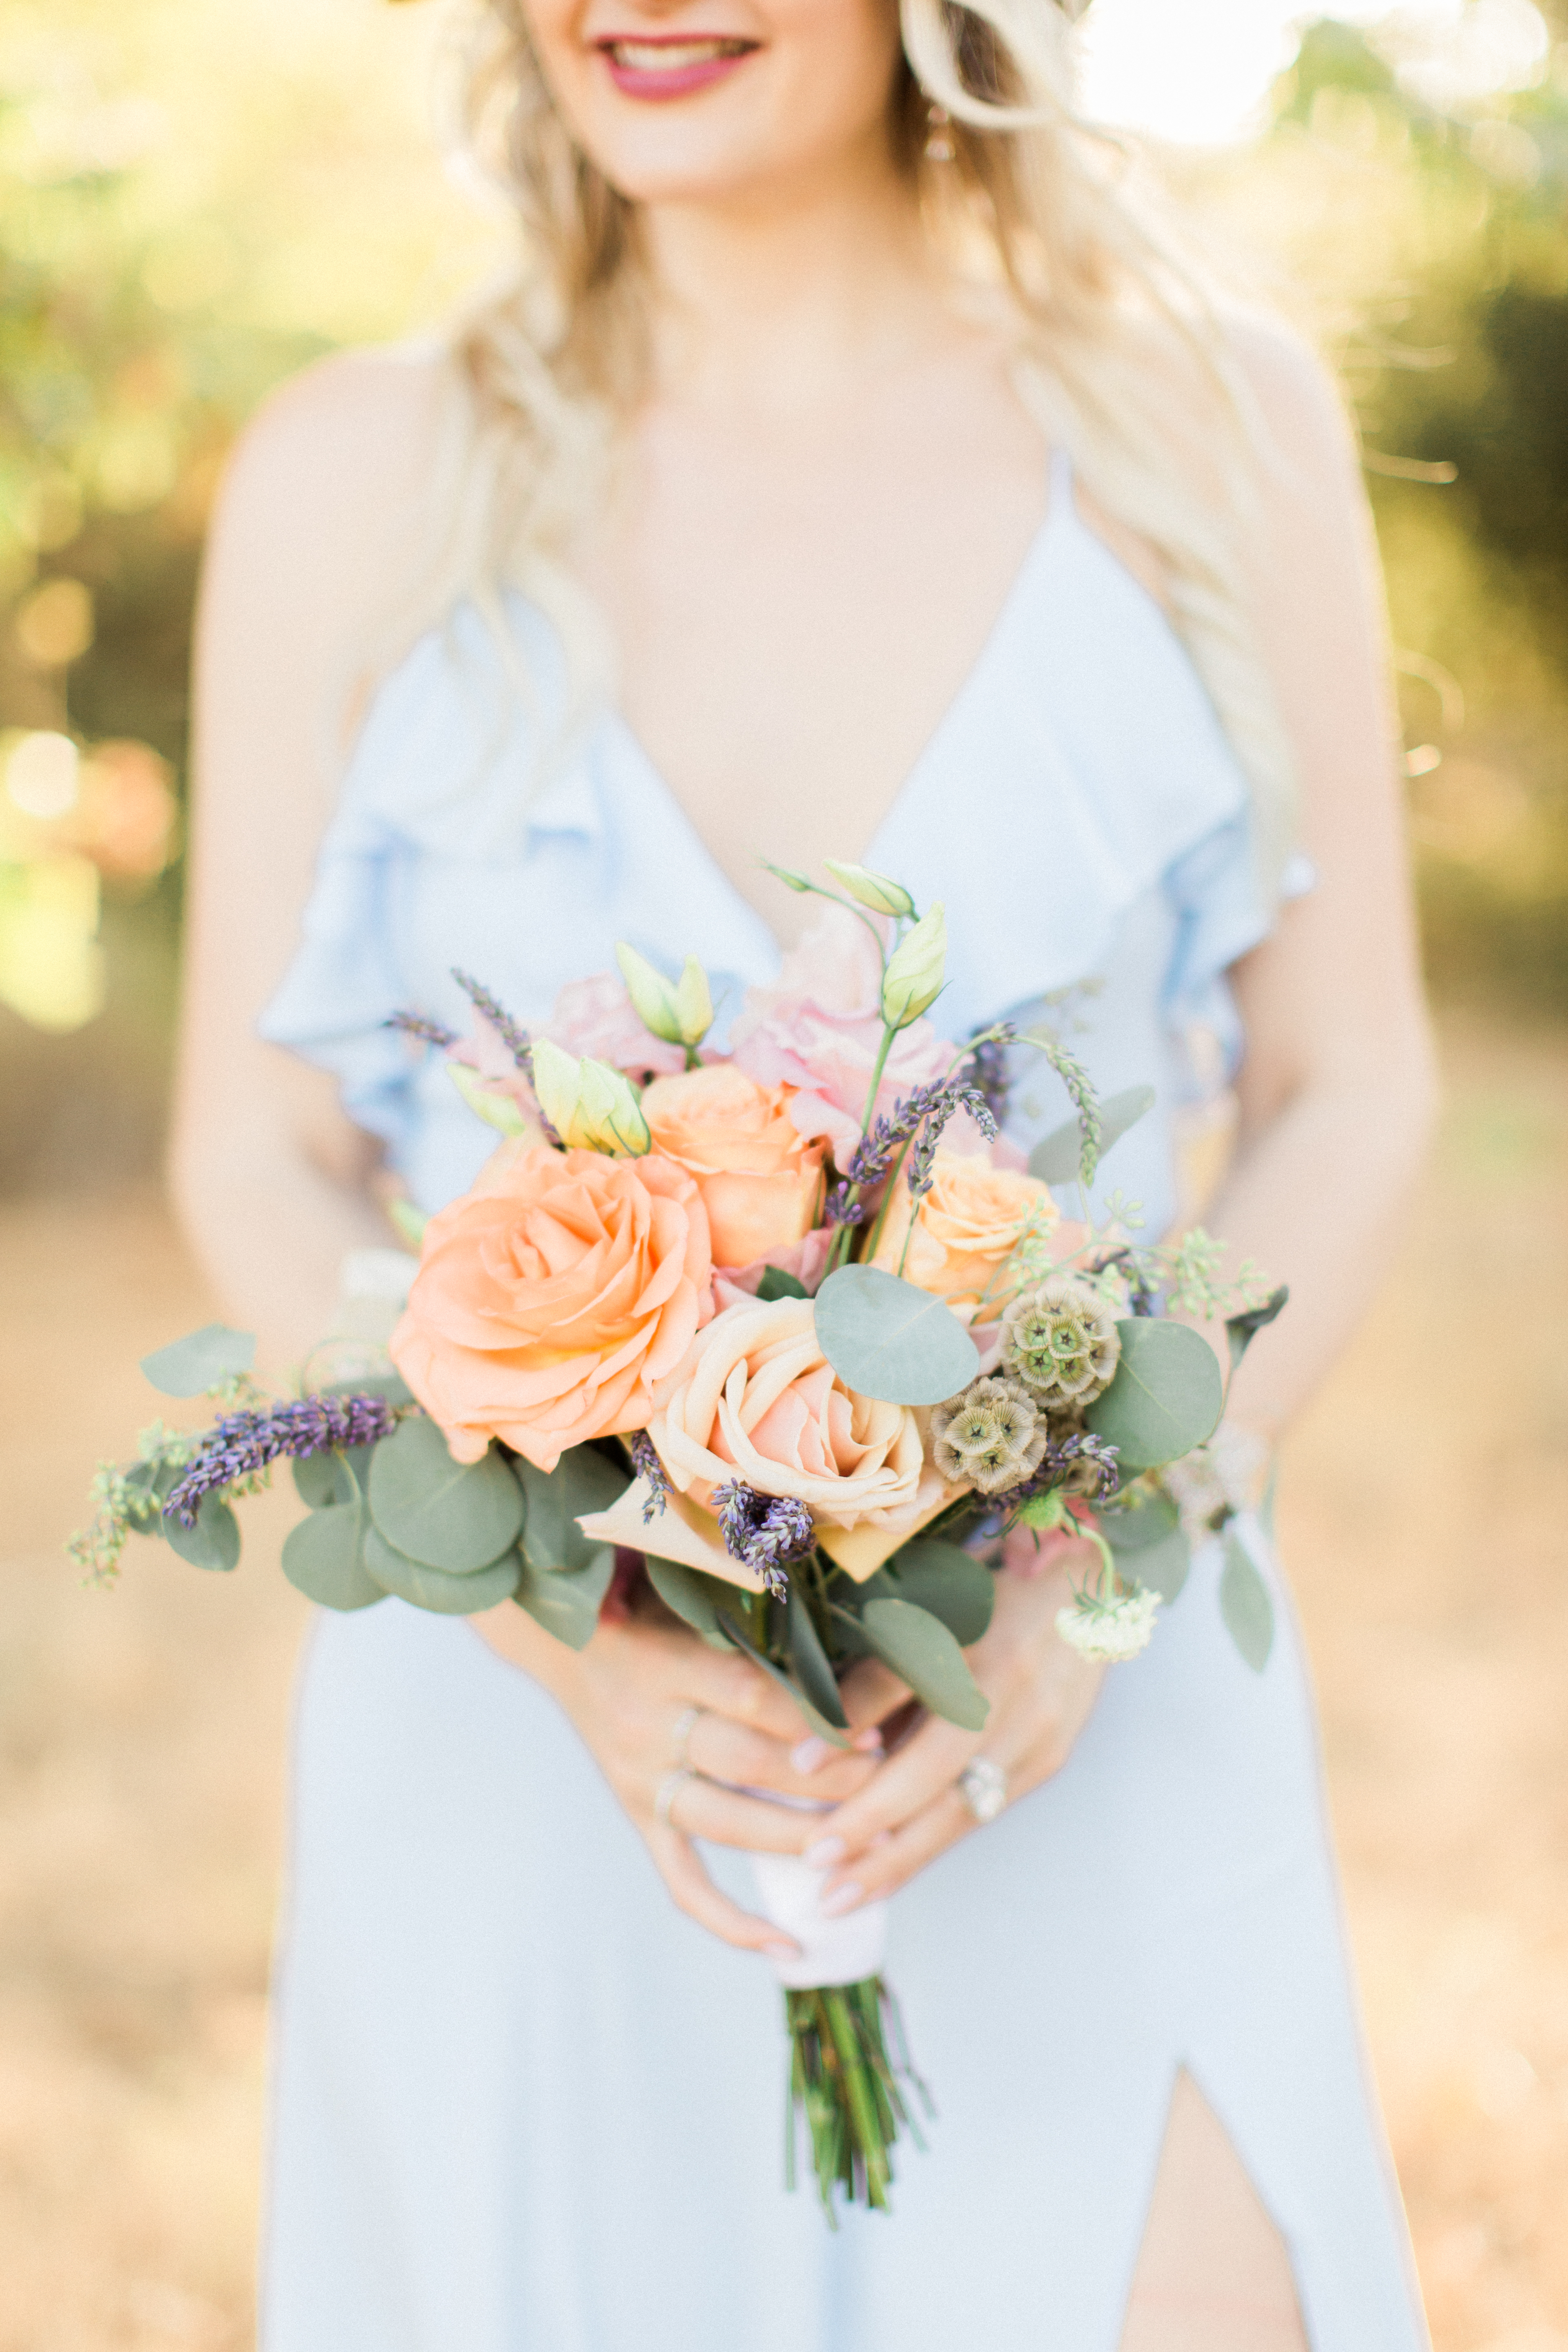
1059 510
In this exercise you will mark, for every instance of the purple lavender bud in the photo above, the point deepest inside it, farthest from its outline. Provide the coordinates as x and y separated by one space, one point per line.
513 1036
417 1024
244 1443
843 1209
764 1532
647 1464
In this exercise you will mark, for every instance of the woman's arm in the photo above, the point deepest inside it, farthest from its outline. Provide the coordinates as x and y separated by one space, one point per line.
271 1178
1336 1096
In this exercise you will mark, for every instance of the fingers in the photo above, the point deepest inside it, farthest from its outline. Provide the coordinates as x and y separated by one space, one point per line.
694 1893
734 1686
810 1770
700 1808
896 1856
871 1692
906 1784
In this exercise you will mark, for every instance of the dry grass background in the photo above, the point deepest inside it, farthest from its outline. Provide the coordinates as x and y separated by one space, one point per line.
141 1747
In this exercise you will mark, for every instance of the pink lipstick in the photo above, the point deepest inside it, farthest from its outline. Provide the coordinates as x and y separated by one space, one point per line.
672 65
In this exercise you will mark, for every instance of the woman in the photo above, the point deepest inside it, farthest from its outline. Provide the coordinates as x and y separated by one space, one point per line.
854 397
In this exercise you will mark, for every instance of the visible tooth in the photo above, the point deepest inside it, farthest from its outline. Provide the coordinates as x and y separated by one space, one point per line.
653 56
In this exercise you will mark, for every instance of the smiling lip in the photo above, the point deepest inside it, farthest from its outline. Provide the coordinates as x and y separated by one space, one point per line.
672 65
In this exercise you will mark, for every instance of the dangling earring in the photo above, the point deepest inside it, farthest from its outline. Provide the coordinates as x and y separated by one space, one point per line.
939 146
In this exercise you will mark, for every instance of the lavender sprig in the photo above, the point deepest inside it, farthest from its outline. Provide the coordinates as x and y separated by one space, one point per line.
512 1034
923 1115
418 1024
955 1098
243 1444
843 1208
764 1532
647 1464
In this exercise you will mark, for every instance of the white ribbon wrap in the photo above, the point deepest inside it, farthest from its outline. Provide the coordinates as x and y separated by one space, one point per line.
832 1951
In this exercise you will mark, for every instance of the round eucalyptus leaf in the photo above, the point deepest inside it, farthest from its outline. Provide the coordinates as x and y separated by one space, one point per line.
729 1623
1149 1521
453 1515
567 1604
886 1340
1245 1603
150 1485
1160 1567
919 1649
213 1542
435 1588
331 1477
582 1480
948 1581
201 1360
1166 1396
323 1558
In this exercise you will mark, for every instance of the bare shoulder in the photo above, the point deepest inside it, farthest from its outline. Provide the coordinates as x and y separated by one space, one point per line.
324 477
1307 427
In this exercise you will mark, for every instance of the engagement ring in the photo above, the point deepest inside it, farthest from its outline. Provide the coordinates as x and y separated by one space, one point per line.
983 1788
681 1734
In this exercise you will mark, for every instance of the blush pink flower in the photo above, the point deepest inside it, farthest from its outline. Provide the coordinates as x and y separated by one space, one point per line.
819 1030
595 1017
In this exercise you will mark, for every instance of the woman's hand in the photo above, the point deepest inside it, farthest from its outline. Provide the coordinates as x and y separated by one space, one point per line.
651 1701
1041 1691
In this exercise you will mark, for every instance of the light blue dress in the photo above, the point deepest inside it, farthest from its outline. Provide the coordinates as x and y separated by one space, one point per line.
521 2104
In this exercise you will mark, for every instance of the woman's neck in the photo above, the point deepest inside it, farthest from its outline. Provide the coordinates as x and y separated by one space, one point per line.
778 304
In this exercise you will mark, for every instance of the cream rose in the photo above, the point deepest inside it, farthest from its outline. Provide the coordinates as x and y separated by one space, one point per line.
757 1176
964 1229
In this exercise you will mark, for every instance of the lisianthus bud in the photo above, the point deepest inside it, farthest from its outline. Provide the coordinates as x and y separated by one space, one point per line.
487 1101
591 1106
681 1015
873 890
913 979
787 876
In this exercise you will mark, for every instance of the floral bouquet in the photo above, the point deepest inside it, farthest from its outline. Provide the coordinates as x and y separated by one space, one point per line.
791 1332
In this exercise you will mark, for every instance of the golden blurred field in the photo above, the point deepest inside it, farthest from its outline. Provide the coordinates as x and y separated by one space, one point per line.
143 1736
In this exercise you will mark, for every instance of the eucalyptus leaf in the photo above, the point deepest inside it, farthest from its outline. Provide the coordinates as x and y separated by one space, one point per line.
1166 1396
1139 1526
817 1678
331 1477
567 1603
1058 1158
323 1558
743 1641
1245 1603
151 1484
776 1284
213 1542
694 1597
1161 1567
202 1361
886 1340
923 1654
948 1581
390 1386
453 1515
582 1480
436 1588
1240 1330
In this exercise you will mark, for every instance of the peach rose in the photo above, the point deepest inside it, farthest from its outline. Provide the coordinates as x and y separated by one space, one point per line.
761 1401
757 1176
557 1305
963 1229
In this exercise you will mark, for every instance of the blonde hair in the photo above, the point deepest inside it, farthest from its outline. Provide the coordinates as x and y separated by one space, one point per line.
1045 215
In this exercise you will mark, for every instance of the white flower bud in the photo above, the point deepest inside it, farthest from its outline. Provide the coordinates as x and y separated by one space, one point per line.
591 1106
1107 1632
913 979
681 1015
496 1109
873 890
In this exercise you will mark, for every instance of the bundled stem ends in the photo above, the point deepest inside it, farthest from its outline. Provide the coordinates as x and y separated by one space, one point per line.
848 2063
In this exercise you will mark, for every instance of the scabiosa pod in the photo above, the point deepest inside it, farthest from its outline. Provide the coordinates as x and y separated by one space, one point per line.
244 1445
992 1437
764 1532
1061 1340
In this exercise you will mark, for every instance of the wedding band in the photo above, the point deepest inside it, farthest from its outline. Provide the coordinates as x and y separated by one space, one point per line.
983 1785
681 1734
669 1788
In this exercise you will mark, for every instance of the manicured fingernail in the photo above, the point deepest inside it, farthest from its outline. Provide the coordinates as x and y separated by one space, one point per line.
868 1743
782 1951
811 1755
843 1898
825 1852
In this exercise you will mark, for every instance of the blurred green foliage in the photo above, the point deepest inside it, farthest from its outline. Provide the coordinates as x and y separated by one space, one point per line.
195 201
